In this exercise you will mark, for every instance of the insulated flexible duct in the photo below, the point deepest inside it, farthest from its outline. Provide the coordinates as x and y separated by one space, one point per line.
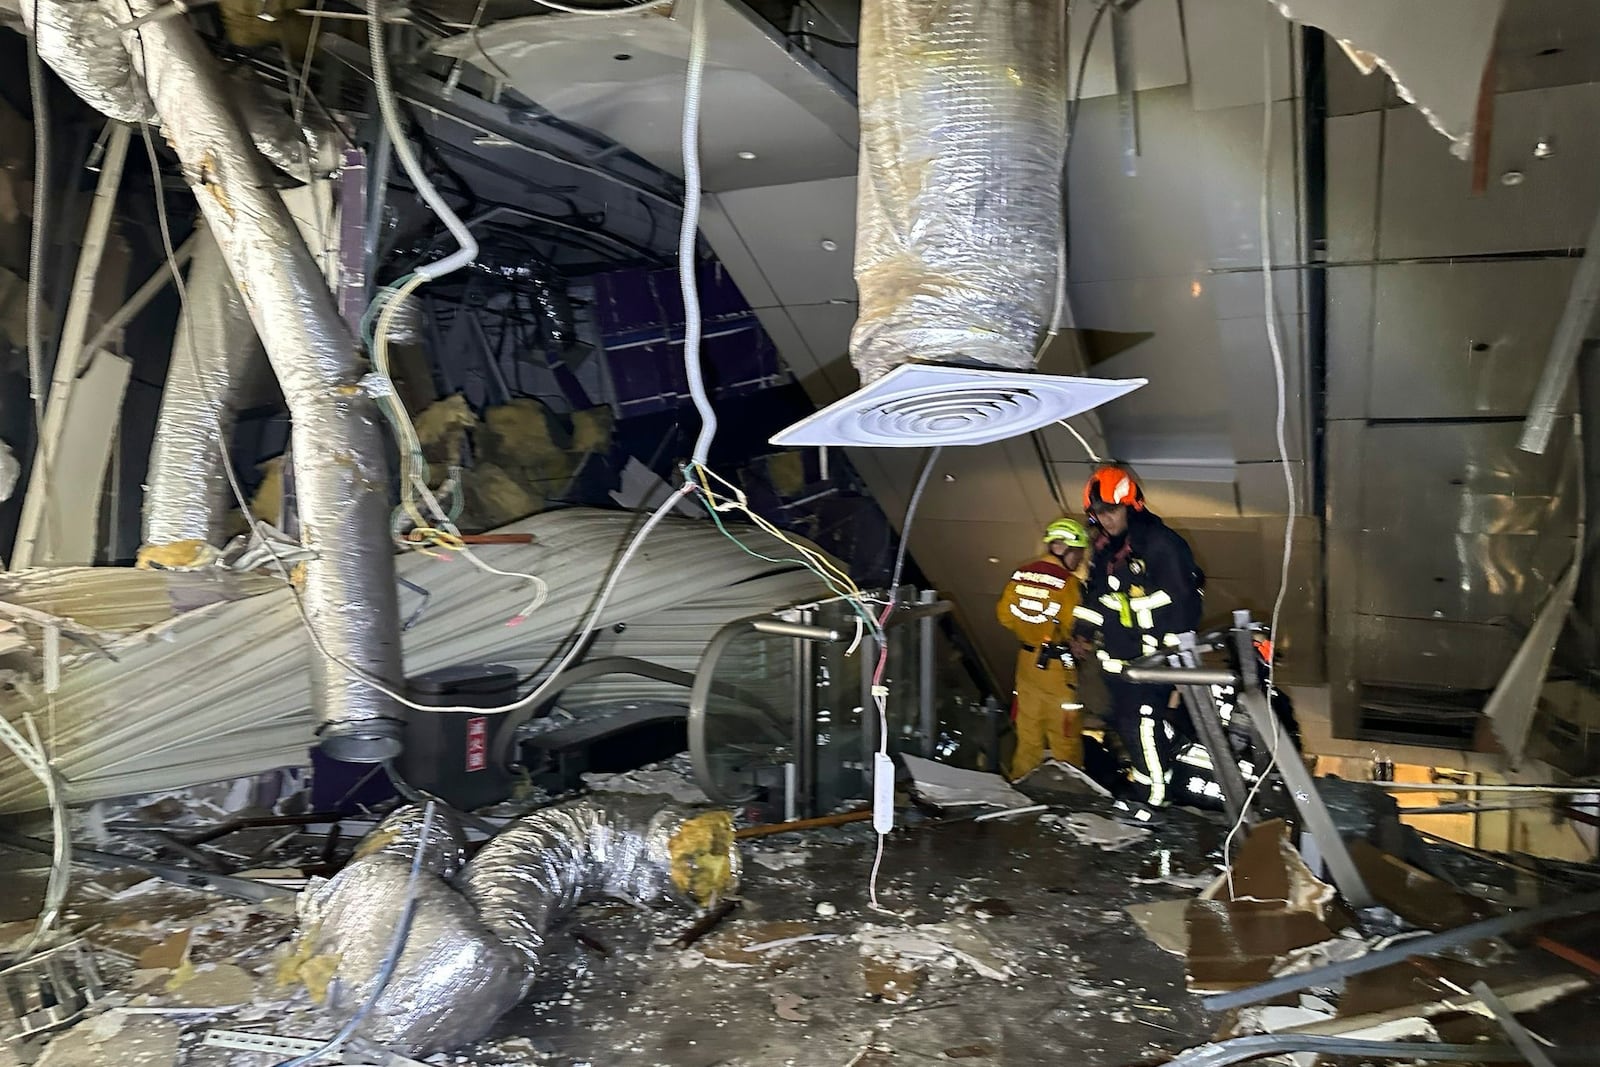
476 941
340 477
958 218
215 355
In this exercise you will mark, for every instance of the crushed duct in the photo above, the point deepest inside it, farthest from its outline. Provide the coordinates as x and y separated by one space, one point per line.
959 233
304 150
215 355
958 217
81 42
340 478
476 940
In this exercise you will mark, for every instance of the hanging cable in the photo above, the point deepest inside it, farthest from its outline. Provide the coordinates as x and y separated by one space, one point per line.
1073 430
688 234
880 692
384 90
605 12
1280 382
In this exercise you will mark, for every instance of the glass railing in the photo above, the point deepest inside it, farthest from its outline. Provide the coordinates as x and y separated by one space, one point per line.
776 716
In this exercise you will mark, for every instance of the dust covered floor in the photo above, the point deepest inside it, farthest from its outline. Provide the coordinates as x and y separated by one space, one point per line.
1008 943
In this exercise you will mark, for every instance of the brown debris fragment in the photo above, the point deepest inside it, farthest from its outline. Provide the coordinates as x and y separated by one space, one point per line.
890 982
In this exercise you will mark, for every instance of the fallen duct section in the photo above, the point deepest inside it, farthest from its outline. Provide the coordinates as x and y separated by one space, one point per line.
341 482
478 931
960 237
215 354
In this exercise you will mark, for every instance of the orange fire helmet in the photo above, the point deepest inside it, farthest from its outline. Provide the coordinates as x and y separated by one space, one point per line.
1113 484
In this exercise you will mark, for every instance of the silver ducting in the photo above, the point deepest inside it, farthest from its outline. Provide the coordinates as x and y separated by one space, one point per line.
303 150
959 234
472 953
340 480
444 853
454 978
80 40
216 357
545 865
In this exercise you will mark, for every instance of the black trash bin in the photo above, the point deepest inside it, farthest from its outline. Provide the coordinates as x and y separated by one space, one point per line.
451 753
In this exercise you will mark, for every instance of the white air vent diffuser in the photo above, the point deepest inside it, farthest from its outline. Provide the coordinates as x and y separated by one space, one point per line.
923 405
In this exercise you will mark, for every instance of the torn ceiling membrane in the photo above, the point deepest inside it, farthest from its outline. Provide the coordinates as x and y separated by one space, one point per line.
1434 51
210 678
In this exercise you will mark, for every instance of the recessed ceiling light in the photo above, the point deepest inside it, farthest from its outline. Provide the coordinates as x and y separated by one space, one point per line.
747 155
994 559
830 245
922 405
1512 177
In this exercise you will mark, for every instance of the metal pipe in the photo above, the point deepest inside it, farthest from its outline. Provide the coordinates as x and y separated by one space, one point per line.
152 288
780 628
1444 787
1240 1049
1429 945
1519 1035
36 503
341 477
214 350
1180 676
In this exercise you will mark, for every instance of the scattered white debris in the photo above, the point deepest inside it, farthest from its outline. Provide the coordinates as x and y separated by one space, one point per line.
1091 829
673 778
951 787
1053 768
943 945
785 942
826 909
778 861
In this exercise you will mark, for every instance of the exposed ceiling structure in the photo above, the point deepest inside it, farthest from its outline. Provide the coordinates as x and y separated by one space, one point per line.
1412 298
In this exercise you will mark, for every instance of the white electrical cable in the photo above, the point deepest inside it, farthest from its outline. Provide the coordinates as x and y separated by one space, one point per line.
688 234
1280 381
880 692
604 12
1073 430
691 163
468 250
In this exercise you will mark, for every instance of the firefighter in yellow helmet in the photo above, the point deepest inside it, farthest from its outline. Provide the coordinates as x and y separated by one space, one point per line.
1037 607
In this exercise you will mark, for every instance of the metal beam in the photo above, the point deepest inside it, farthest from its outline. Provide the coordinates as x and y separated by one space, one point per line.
1577 325
37 521
1302 787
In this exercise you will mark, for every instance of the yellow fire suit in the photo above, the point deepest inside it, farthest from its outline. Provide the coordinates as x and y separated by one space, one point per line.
1037 607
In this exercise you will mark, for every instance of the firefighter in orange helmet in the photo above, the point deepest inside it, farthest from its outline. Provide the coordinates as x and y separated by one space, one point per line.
1037 607
1144 589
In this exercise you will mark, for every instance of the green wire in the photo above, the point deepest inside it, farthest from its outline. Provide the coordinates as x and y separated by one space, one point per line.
872 623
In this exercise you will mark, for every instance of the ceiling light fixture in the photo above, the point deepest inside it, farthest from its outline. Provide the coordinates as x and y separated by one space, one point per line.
747 155
925 405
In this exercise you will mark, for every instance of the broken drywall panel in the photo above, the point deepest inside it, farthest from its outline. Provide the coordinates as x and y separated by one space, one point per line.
72 509
1165 923
1268 869
1433 50
944 786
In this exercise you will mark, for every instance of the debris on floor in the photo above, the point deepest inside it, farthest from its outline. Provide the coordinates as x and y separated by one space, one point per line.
672 778
1098 830
944 786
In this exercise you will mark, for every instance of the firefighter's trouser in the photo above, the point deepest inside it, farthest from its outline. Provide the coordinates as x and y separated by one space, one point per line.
1143 718
1048 712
